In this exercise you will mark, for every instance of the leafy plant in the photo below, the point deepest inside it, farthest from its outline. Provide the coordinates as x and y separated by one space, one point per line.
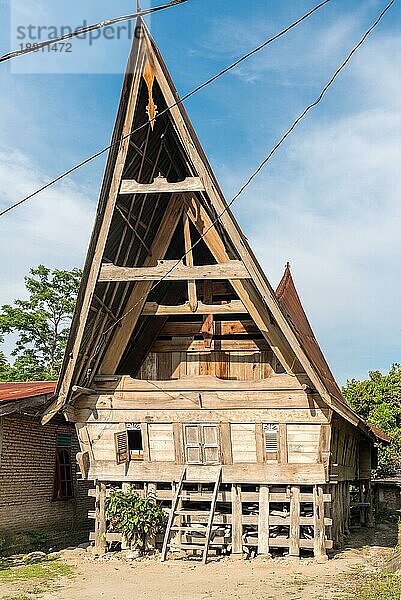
40 539
138 518
378 400
41 322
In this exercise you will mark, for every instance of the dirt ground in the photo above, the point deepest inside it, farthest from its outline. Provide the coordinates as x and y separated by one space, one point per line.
186 579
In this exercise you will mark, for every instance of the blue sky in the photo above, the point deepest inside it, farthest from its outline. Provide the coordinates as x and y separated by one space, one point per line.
329 201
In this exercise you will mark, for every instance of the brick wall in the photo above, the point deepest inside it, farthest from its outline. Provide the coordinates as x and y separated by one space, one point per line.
27 469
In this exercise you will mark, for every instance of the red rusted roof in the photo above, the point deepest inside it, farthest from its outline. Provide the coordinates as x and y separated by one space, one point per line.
288 298
25 389
379 434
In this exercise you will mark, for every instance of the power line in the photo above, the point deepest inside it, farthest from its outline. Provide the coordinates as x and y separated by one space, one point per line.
87 29
259 168
183 99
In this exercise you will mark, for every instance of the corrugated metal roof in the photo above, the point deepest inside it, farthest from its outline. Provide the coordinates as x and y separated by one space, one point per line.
25 389
291 304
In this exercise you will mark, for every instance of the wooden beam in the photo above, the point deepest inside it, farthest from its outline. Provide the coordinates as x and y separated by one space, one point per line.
173 270
189 259
233 307
119 340
132 228
236 504
190 328
263 521
125 383
183 345
294 521
319 522
161 185
98 242
208 327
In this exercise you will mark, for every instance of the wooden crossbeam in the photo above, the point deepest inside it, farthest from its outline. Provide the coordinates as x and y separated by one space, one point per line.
173 271
191 345
188 328
160 185
233 307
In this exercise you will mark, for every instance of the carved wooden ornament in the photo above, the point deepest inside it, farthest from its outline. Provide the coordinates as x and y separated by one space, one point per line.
149 77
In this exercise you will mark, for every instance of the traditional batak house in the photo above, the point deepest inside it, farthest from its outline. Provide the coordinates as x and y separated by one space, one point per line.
185 373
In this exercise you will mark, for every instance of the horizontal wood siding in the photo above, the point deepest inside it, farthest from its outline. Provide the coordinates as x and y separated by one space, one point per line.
243 439
303 443
161 442
233 365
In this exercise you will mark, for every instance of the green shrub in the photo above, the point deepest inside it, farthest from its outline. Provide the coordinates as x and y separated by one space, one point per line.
40 540
138 519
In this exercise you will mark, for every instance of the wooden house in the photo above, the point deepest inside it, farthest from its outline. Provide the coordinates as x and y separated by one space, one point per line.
186 374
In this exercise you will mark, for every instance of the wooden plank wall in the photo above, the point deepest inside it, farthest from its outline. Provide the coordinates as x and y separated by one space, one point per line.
234 365
345 451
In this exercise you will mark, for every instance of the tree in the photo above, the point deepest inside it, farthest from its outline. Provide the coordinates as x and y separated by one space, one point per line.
378 401
41 323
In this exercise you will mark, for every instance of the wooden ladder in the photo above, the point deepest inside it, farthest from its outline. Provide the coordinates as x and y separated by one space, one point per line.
175 512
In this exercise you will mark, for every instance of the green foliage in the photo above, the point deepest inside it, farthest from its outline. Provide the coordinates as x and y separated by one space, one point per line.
382 586
41 322
378 400
137 518
40 540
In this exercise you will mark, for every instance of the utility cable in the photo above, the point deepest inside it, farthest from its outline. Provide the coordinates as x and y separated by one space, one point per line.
183 99
87 29
258 169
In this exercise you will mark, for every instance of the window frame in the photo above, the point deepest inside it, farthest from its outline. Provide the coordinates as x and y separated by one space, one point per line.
271 456
62 482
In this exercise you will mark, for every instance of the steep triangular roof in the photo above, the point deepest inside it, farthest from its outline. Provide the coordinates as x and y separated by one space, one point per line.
290 302
155 178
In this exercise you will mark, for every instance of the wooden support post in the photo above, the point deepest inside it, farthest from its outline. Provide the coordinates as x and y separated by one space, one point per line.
263 520
346 508
368 500
152 491
125 487
282 444
362 499
319 547
334 513
100 518
236 534
207 326
192 297
294 521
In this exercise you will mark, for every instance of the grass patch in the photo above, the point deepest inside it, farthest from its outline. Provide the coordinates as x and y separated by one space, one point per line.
383 586
43 570
19 597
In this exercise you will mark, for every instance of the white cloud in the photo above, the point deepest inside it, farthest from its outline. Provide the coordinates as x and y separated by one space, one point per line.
52 228
330 202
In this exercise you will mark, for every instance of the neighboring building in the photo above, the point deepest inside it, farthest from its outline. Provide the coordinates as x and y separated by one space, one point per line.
387 493
40 497
185 373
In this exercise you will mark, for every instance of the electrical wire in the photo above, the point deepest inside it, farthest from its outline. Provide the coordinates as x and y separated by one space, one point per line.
87 29
257 170
183 99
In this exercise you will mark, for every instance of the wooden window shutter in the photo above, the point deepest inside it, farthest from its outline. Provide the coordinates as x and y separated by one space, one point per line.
121 446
